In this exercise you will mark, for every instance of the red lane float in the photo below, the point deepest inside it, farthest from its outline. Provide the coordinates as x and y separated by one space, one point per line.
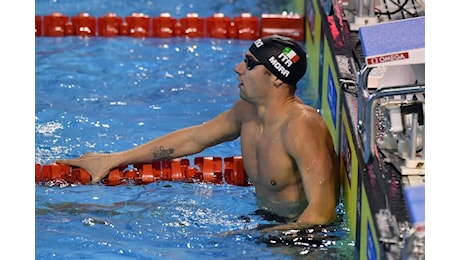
56 24
234 172
163 26
288 25
208 170
219 26
109 25
38 25
244 27
138 25
84 25
192 26
247 27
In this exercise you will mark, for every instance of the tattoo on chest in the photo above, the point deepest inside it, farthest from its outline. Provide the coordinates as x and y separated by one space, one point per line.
162 152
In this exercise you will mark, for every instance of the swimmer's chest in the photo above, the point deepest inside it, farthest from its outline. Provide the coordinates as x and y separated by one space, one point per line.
265 157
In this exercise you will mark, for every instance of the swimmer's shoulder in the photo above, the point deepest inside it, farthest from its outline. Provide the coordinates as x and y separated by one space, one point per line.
305 118
304 109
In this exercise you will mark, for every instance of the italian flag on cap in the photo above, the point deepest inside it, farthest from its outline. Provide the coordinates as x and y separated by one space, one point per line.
291 54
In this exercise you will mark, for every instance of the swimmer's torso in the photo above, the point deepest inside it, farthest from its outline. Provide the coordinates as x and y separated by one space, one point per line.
273 172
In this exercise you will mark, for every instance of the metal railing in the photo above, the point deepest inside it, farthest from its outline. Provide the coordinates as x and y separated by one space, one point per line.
366 109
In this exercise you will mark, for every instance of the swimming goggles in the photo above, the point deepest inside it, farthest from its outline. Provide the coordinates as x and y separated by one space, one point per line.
250 63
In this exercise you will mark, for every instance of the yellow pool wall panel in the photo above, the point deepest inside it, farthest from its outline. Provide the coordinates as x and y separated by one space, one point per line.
349 169
369 247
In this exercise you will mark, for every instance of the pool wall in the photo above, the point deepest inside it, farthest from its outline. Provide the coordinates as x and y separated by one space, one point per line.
386 222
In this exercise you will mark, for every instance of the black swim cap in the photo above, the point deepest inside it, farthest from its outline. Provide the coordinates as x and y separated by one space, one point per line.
282 56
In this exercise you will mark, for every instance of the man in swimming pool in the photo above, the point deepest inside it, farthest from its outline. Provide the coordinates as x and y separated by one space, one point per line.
286 146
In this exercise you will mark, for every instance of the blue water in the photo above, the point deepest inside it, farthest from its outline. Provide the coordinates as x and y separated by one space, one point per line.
177 8
99 94
111 94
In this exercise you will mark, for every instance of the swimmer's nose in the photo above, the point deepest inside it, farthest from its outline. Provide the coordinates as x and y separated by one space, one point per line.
239 68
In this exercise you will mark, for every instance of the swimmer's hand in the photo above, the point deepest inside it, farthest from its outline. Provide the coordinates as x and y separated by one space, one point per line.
97 165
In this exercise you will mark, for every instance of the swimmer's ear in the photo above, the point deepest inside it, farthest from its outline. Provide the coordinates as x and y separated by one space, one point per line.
277 82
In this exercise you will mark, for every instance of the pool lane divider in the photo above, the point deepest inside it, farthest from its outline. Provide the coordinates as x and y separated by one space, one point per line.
207 169
138 24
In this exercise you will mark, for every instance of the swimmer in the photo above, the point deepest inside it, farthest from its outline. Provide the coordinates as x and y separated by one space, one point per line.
286 146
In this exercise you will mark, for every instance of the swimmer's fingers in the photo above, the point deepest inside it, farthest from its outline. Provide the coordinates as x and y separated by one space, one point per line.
70 162
95 179
78 162
91 163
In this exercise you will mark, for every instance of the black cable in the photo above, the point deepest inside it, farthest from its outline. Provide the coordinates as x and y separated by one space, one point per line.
355 56
405 10
400 7
386 6
402 11
415 7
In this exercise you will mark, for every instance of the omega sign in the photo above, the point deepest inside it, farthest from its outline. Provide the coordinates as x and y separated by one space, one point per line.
388 58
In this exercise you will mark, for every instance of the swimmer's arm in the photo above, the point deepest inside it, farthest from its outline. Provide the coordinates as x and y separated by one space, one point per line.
183 142
187 141
313 151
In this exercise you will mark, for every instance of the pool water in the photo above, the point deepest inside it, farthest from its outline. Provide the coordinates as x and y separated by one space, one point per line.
111 94
177 8
99 94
